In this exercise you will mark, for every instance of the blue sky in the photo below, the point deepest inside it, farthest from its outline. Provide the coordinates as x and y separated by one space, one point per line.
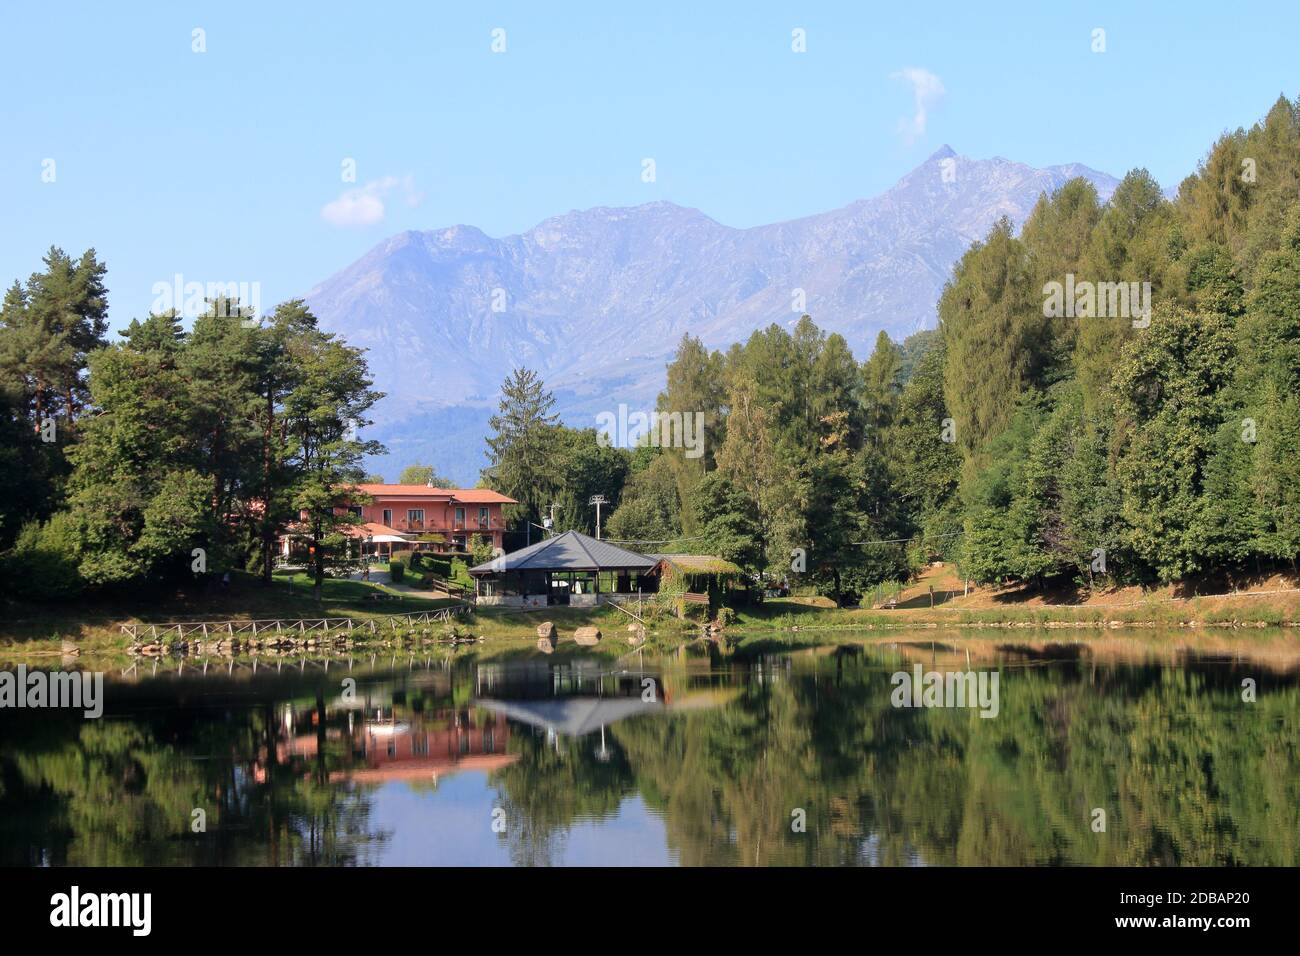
227 165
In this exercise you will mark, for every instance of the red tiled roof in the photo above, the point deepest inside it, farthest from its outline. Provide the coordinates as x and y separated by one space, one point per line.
470 496
373 528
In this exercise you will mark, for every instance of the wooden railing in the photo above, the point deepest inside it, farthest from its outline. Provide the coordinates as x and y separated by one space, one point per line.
320 626
451 587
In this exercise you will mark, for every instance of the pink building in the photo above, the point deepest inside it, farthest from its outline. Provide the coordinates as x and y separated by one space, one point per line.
412 511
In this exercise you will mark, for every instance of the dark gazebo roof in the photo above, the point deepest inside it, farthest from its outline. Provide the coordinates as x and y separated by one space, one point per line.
571 551
571 716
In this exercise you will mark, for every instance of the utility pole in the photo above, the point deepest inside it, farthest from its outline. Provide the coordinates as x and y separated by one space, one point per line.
598 500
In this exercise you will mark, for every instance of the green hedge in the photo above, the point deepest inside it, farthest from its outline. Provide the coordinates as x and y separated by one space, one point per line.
438 565
396 571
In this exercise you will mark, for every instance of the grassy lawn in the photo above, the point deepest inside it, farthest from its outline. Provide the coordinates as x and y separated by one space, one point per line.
95 624
1279 610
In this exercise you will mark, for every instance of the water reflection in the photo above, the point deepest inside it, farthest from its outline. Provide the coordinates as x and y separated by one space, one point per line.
689 760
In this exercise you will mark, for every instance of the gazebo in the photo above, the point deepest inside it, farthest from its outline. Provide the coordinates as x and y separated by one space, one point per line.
570 568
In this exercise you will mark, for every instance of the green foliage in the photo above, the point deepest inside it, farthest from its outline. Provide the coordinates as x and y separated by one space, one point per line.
996 337
42 566
1170 399
521 454
204 444
881 384
480 550
729 522
649 509
423 475
1161 450
49 328
924 467
695 384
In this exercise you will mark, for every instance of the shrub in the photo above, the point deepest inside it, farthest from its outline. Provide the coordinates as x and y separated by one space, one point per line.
481 549
458 571
396 570
438 565
690 611
42 566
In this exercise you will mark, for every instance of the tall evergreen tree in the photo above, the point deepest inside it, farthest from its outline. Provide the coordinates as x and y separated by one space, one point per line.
323 414
695 384
996 337
521 451
881 385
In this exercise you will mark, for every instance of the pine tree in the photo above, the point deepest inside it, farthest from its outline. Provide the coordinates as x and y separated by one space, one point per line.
881 385
323 413
521 451
1128 244
695 384
995 335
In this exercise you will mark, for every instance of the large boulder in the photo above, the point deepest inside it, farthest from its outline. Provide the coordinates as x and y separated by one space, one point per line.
546 630
587 636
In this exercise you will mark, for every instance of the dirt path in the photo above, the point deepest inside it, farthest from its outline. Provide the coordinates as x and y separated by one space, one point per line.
384 578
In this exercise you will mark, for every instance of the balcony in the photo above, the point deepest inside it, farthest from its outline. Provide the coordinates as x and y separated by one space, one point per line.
476 525
473 526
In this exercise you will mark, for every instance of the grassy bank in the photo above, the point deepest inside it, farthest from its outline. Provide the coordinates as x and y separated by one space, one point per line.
1281 610
94 627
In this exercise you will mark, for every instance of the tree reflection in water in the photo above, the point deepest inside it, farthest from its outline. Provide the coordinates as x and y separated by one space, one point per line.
287 770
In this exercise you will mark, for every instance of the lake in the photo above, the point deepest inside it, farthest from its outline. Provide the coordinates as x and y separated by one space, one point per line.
1158 750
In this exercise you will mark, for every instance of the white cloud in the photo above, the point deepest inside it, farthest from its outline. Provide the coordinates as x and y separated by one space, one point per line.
927 90
364 205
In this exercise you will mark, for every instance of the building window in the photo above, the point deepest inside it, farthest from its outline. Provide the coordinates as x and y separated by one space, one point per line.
415 517
482 517
355 510
460 516
388 517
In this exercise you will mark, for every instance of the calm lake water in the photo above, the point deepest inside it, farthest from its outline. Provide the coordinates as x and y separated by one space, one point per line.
699 757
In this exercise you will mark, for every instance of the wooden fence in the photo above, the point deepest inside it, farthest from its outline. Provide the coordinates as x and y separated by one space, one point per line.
297 627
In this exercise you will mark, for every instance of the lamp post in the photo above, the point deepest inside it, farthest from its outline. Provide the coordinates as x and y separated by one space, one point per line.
598 500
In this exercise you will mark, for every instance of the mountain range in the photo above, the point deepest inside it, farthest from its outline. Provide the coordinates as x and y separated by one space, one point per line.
596 300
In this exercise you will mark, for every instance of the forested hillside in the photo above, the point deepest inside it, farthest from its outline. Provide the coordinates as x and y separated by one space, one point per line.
1031 439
